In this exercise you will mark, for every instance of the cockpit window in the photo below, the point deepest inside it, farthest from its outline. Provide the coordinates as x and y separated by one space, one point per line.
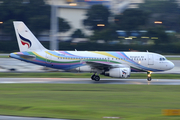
162 59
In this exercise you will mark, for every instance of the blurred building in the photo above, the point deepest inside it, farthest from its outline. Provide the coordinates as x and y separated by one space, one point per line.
178 1
74 11
135 3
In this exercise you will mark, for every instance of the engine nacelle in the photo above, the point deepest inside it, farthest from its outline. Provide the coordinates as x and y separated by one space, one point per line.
119 72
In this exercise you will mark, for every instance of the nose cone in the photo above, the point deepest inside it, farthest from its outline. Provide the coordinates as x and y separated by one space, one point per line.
171 65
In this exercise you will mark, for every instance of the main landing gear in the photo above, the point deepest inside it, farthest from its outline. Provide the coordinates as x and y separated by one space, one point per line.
149 76
95 77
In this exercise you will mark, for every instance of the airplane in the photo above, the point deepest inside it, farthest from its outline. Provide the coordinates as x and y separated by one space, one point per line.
113 64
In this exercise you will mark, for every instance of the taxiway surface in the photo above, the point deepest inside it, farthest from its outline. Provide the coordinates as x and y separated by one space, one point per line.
25 118
89 81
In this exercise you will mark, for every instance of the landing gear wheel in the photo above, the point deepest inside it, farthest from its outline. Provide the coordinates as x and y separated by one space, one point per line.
149 78
96 78
92 77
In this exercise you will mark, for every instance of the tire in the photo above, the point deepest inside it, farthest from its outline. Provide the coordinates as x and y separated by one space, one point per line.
149 78
92 77
96 78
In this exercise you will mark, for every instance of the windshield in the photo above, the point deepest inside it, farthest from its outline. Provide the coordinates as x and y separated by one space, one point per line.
162 59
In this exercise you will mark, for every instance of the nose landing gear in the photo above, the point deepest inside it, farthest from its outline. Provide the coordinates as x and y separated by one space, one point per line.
149 76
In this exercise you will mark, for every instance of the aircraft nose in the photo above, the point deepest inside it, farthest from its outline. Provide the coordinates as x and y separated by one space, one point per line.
171 65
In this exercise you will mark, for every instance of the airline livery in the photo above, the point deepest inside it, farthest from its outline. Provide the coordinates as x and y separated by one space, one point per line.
112 64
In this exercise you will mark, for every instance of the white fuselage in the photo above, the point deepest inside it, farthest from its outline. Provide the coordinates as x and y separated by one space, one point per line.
67 60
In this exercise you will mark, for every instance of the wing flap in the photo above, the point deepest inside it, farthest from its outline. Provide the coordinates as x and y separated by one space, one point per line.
105 65
98 64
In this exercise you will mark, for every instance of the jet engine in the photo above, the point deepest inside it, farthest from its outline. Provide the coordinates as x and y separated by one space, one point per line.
119 72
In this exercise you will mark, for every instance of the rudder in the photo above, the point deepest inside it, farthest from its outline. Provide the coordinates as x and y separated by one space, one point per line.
26 40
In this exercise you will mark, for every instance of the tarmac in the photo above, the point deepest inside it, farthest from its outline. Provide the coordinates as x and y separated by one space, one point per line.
89 81
25 118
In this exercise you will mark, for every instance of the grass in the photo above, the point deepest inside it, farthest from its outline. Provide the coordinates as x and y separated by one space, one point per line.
89 101
48 74
4 56
82 75
173 58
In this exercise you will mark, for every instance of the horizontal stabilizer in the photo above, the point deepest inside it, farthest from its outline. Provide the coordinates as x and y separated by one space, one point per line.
27 57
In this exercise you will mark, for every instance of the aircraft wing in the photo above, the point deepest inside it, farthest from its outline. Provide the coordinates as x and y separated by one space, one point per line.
105 65
99 65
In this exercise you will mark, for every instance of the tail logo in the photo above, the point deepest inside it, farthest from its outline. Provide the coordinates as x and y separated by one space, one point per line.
25 41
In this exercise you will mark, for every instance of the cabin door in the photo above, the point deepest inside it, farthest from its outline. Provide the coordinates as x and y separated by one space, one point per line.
150 59
48 58
108 59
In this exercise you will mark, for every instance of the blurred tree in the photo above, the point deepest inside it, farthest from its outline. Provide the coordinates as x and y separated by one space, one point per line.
97 14
159 33
131 19
78 34
63 25
166 11
35 13
160 6
107 34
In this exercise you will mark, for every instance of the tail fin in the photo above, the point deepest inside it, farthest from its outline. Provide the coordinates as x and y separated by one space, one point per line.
26 40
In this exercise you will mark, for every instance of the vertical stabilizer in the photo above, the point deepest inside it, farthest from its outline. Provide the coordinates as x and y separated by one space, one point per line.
26 40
